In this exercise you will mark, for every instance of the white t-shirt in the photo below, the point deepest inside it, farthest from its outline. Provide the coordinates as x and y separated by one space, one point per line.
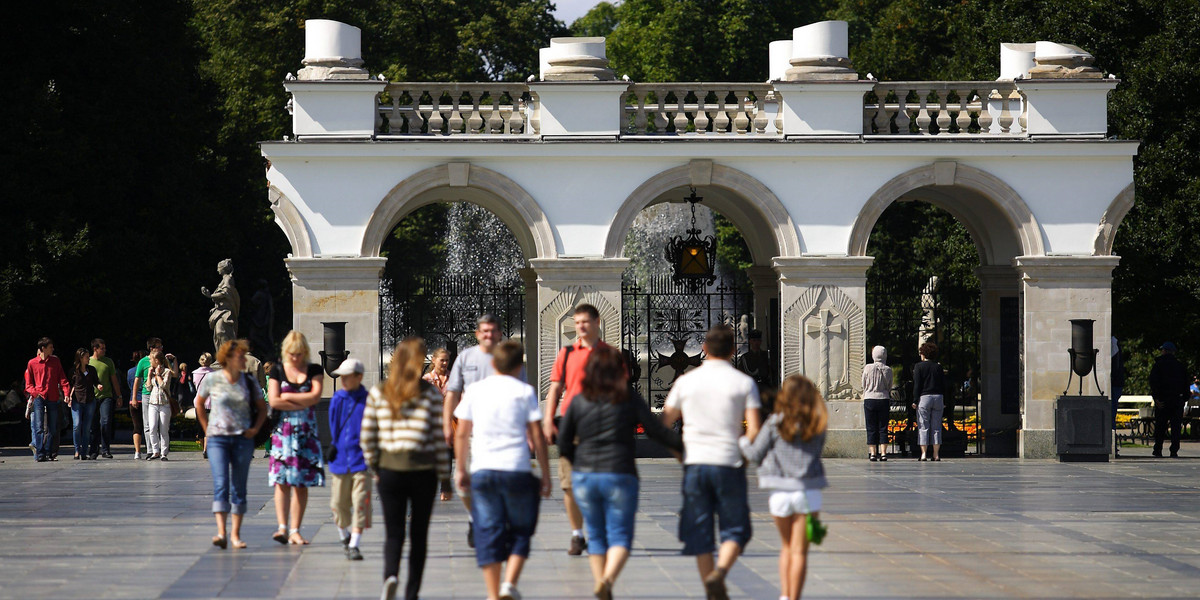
499 408
713 400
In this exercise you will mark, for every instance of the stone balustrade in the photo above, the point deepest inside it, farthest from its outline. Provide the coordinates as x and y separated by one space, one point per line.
945 109
454 109
698 109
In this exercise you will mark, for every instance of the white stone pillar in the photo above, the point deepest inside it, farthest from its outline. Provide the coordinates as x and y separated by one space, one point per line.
1057 289
823 324
530 333
563 284
999 375
339 289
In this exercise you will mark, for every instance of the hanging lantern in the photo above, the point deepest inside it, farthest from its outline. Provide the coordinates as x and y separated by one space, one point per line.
693 259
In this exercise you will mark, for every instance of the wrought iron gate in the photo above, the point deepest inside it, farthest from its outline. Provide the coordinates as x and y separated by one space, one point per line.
663 326
443 310
949 313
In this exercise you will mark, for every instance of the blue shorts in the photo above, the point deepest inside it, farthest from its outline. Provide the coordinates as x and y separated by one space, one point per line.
609 504
504 506
708 491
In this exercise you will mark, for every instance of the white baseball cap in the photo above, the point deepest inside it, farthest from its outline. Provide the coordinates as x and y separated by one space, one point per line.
350 365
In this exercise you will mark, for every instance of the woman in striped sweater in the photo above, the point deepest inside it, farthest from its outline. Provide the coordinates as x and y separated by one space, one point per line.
403 445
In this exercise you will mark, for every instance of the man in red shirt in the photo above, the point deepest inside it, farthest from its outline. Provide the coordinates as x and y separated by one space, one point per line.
568 376
46 384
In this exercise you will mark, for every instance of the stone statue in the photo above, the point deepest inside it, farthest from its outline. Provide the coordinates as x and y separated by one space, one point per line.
262 321
223 317
929 318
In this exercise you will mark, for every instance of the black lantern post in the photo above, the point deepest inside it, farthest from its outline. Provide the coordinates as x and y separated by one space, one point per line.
335 347
693 259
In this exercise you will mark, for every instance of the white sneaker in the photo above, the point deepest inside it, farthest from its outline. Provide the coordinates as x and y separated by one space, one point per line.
137 456
509 591
389 588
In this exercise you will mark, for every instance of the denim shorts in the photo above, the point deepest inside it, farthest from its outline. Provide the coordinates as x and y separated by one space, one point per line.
713 491
504 506
785 503
609 504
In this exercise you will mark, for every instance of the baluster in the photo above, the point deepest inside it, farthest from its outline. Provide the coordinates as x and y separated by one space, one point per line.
640 114
760 116
496 120
516 122
475 121
882 122
379 109
903 119
535 114
721 125
437 124
1023 116
742 122
660 115
681 118
779 116
701 119
923 117
415 119
943 116
964 114
985 114
455 124
1006 117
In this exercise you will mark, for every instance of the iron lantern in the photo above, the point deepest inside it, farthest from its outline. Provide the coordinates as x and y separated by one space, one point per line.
693 259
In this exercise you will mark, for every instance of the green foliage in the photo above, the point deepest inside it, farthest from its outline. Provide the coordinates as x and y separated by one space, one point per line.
417 246
733 255
600 21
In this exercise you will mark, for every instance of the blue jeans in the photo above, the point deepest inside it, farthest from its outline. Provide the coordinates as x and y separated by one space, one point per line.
102 426
229 457
44 422
504 506
82 414
710 490
609 504
929 420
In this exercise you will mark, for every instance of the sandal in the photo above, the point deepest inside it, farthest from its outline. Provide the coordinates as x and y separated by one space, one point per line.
295 539
280 536
219 542
882 458
238 544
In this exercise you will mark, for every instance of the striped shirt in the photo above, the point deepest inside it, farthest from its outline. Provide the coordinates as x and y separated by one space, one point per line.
413 436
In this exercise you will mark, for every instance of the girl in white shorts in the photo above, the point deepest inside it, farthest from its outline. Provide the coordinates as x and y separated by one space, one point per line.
788 452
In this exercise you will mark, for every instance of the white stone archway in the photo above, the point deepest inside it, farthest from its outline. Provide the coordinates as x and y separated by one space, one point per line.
291 222
464 182
1106 233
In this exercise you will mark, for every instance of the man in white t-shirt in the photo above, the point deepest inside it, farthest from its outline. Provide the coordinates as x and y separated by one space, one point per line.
498 421
713 401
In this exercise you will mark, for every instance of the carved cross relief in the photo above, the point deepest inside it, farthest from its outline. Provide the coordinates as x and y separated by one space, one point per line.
826 351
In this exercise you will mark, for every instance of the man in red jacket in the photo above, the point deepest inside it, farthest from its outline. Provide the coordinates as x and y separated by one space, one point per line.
46 384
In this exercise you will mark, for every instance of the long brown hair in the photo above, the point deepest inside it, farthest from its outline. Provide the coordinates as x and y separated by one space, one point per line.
403 384
603 376
801 408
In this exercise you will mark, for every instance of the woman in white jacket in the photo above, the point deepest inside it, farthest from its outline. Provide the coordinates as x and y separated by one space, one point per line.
877 394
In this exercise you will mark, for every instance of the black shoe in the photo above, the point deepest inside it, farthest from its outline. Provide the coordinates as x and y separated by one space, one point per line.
206 454
346 542
1156 454
578 545
470 534
42 459
164 458
882 458
872 458
107 455
352 553
53 458
1174 455
77 457
93 456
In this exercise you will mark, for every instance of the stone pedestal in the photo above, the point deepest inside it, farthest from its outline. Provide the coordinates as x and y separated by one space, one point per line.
823 323
1067 107
334 108
822 109
579 109
563 284
1056 289
339 289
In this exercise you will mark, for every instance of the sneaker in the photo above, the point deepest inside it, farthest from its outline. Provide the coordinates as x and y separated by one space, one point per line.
164 458
107 455
154 457
509 591
470 534
137 456
578 545
42 459
714 585
352 553
346 542
389 588
54 458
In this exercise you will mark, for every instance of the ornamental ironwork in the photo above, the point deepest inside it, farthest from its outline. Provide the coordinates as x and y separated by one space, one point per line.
693 259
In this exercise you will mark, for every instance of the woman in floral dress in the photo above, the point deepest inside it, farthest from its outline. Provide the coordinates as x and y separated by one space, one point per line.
294 389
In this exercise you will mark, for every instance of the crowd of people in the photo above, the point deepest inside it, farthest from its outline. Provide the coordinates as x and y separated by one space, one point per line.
469 426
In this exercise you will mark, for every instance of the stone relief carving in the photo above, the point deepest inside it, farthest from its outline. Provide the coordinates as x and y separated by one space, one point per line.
823 339
556 326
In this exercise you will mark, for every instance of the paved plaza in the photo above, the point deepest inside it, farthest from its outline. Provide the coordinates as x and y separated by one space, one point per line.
971 528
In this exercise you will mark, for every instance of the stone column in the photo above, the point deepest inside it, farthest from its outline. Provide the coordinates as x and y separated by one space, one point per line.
530 333
563 284
999 375
339 289
822 306
1056 289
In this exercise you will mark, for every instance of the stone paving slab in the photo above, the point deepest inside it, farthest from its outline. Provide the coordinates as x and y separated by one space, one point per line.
970 528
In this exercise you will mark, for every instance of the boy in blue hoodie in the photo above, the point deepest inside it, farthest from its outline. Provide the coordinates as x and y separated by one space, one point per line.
350 488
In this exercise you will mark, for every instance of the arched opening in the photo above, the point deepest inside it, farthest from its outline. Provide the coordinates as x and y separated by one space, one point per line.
942 272
664 321
448 263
